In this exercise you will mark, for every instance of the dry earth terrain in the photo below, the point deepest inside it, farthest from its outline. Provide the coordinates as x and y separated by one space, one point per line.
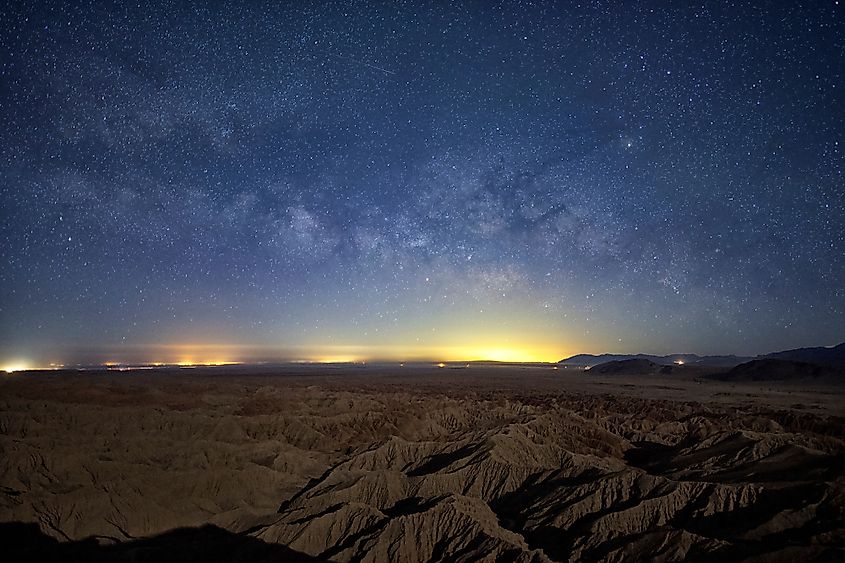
418 464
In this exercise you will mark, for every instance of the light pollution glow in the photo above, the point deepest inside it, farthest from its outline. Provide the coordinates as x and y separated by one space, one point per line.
503 338
221 354
226 354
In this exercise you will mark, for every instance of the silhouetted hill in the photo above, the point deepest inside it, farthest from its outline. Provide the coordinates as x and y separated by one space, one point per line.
636 366
771 369
26 542
590 360
833 356
594 360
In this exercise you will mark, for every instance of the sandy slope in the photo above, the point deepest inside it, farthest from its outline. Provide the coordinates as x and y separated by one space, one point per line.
495 464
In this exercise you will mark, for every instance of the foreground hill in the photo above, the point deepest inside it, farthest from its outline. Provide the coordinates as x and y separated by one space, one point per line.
527 465
629 367
647 367
770 369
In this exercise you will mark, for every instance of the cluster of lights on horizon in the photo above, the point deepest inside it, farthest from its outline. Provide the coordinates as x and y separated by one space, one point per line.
222 354
490 354
112 367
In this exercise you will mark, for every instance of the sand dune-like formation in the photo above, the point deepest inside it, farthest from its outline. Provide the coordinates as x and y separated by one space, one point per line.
489 466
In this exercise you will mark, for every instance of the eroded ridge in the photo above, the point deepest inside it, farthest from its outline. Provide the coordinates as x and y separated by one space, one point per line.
343 471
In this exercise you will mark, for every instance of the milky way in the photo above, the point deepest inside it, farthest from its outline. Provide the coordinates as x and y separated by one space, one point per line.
372 180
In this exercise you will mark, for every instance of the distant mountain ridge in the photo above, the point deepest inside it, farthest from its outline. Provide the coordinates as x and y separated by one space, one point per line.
668 360
833 356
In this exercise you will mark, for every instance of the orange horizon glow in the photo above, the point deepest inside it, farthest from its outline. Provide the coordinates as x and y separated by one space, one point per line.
460 337
218 354
16 366
450 340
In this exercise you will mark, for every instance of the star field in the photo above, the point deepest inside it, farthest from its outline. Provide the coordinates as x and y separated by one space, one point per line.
356 180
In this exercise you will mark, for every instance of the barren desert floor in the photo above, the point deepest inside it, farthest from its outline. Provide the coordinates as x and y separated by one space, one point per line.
418 464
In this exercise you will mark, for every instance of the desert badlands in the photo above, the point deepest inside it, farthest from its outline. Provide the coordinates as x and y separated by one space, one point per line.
419 463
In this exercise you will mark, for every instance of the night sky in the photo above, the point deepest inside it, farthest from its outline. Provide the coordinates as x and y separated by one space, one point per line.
338 181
